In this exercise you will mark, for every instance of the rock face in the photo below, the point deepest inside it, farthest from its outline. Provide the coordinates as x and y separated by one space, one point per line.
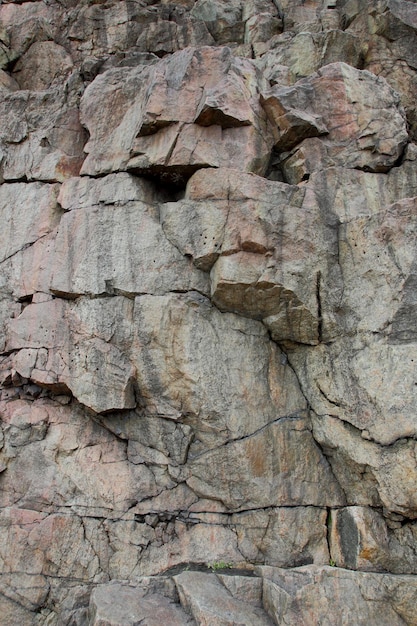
208 305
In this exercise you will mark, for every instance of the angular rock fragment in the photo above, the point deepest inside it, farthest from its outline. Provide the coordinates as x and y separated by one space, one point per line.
362 539
306 52
368 473
117 604
41 137
43 65
258 235
285 536
388 35
115 189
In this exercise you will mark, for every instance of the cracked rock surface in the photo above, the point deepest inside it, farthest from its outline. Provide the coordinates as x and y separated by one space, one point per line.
208 305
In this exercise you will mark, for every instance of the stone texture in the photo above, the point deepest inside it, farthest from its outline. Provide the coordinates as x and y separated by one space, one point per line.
208 312
306 52
236 226
42 65
361 538
359 136
211 603
122 605
118 247
70 356
328 595
28 213
197 108
41 137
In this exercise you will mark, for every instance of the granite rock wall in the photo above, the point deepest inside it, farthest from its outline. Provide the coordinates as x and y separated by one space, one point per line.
208 312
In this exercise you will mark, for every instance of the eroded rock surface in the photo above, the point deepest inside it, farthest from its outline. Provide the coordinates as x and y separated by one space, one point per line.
208 279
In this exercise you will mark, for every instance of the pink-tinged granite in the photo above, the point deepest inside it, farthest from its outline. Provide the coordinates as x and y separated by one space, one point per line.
196 108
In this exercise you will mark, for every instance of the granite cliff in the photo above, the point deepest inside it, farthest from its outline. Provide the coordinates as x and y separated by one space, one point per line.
208 313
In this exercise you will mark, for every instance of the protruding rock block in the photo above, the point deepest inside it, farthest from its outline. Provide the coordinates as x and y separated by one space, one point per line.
196 108
365 131
265 243
73 351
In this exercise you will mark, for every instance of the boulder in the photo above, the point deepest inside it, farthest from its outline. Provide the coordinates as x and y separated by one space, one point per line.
360 135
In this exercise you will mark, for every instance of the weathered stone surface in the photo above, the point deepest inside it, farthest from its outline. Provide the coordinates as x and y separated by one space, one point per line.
362 539
388 34
198 108
369 474
262 233
307 52
359 136
211 603
28 212
7 83
25 23
208 318
70 355
179 364
115 189
116 244
272 478
44 64
316 595
286 536
41 137
123 605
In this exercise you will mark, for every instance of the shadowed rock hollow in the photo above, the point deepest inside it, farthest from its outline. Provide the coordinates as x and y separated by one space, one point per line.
208 305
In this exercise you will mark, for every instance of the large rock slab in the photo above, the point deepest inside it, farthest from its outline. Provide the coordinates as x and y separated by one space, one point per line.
123 605
388 35
306 52
368 473
63 346
198 108
361 538
324 595
28 213
182 351
44 64
116 245
284 467
211 603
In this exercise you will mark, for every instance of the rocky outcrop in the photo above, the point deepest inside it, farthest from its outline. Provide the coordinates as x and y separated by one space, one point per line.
208 312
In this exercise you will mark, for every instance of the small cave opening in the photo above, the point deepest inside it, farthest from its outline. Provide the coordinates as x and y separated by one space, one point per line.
170 182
